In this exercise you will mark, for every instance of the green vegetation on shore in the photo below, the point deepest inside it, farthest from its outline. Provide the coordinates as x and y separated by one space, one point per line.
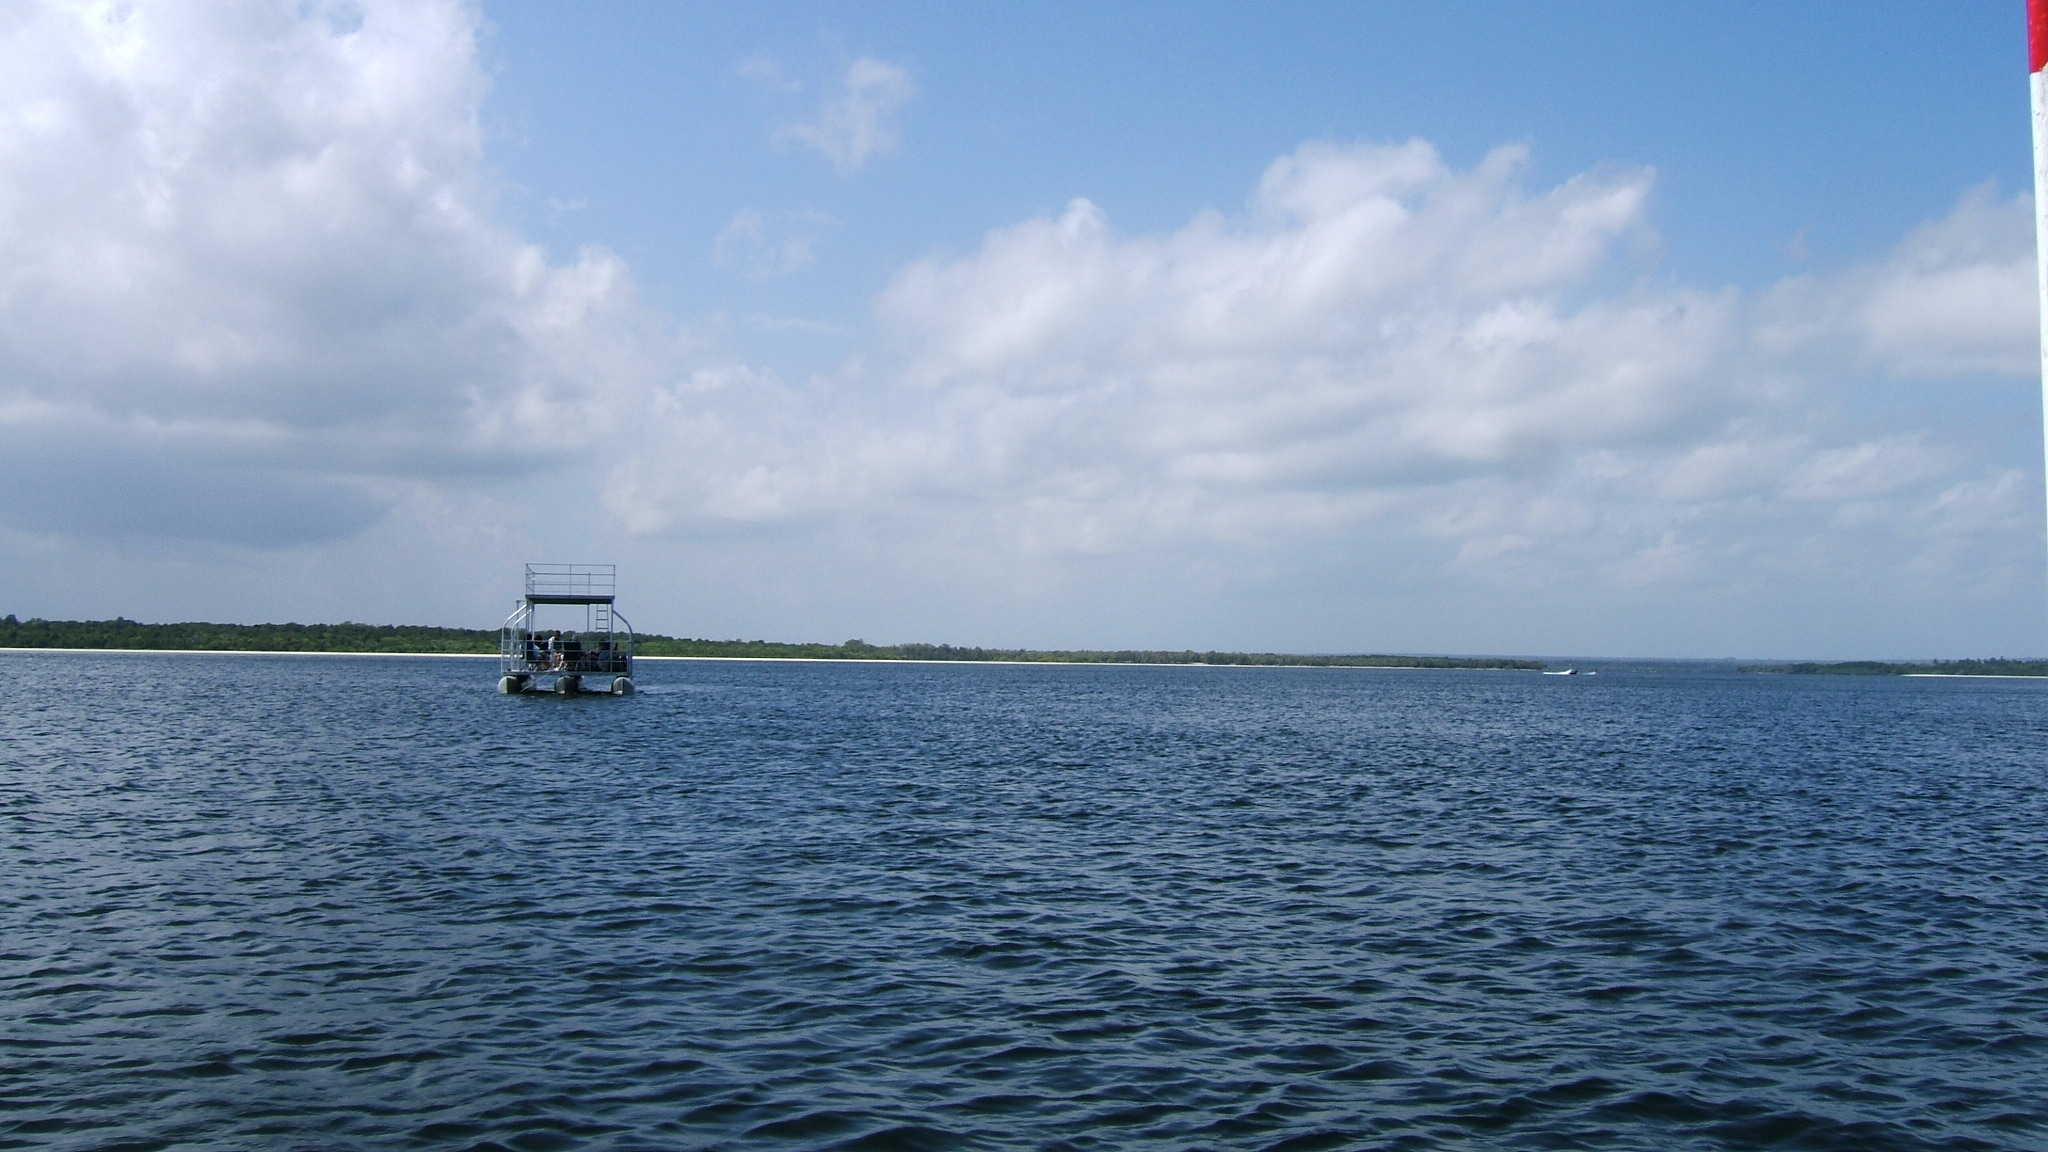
1993 667
861 650
404 638
343 637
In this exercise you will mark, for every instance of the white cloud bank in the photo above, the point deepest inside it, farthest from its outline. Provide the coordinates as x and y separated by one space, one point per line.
1955 297
248 275
1382 349
251 289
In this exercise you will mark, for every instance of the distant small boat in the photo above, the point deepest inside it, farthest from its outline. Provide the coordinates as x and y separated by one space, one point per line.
1565 672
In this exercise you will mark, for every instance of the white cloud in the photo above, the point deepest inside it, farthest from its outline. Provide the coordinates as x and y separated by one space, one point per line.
1375 319
857 117
762 246
765 71
253 241
1871 469
1955 297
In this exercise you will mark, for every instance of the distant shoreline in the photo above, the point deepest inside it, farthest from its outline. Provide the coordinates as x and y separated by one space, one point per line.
1995 668
352 639
1970 675
249 652
757 659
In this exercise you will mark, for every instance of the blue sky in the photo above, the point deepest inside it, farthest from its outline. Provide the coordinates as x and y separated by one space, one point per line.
1842 126
1562 328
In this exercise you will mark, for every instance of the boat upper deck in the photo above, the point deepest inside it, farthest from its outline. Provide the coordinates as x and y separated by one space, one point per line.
571 583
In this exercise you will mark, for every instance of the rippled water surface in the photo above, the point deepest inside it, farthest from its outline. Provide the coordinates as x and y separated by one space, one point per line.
270 902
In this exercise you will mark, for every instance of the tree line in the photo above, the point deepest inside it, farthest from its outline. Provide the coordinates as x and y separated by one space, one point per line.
425 639
1996 666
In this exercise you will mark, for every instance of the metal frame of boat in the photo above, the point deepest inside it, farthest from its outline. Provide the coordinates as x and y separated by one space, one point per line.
603 647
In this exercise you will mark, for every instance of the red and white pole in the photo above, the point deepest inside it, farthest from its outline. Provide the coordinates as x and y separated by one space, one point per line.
2037 66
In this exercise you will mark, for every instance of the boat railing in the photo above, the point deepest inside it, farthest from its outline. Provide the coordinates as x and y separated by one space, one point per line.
572 582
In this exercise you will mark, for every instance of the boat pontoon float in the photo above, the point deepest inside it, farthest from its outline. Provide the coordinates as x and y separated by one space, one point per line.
538 644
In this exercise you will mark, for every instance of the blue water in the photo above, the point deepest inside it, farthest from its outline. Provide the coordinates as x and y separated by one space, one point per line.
271 902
